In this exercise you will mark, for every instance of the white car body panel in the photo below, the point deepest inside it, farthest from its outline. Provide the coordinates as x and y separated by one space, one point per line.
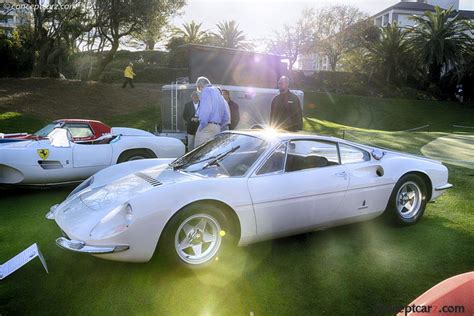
312 202
267 206
21 164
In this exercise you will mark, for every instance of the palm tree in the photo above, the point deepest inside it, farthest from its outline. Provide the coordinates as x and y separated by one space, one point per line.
441 39
389 52
191 32
228 35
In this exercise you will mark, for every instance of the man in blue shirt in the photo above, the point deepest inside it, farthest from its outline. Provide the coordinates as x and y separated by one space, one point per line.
213 112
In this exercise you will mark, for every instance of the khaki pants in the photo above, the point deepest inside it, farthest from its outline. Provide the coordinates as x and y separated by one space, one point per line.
206 133
190 142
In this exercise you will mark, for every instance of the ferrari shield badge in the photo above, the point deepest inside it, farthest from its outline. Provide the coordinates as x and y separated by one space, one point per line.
43 153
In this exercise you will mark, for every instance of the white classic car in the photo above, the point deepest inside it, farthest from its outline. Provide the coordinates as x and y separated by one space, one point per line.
60 159
247 185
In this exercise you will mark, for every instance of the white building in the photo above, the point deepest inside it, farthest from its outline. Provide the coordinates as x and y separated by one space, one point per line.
401 11
312 63
14 13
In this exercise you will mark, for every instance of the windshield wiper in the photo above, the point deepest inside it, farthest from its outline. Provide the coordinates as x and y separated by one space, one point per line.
178 165
218 158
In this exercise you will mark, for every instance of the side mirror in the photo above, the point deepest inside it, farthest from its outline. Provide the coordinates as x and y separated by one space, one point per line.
60 137
378 154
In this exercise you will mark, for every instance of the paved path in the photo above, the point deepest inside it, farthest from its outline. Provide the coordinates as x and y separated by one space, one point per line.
456 149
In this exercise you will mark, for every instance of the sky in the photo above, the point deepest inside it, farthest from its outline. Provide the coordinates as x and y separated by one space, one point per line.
257 18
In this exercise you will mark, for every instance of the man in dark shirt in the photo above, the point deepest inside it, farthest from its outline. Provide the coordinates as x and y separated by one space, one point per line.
189 116
234 109
286 110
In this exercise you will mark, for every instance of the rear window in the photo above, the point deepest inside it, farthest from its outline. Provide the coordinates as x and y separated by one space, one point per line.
351 154
79 130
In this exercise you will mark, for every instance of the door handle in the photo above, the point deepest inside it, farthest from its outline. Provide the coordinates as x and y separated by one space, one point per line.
341 174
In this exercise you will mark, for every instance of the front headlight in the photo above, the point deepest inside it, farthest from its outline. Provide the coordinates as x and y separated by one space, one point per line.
114 223
85 184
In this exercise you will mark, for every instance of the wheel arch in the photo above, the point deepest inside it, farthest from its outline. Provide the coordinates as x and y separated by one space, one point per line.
149 152
426 179
226 208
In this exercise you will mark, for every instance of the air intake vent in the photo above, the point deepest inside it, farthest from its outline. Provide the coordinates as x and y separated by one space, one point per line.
148 179
50 164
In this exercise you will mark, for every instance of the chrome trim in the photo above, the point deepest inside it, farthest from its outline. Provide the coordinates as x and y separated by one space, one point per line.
80 246
444 187
50 214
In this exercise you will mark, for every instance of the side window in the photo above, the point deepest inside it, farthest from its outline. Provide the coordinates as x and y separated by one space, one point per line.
308 154
275 162
79 130
351 154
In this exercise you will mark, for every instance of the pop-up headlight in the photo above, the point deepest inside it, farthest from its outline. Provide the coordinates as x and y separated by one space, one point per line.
114 223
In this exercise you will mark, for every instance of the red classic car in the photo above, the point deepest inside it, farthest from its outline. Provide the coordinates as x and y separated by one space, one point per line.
81 130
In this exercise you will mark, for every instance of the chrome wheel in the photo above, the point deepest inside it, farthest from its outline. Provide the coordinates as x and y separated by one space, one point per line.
409 200
198 239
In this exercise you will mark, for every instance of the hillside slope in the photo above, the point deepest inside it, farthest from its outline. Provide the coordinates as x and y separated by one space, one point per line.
26 104
387 114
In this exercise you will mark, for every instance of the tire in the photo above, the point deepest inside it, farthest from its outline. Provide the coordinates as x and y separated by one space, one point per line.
196 236
408 200
137 154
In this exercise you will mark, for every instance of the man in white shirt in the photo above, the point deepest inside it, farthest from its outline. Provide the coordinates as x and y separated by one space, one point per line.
213 112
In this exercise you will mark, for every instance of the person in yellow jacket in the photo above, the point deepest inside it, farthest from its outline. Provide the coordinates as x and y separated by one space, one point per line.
128 74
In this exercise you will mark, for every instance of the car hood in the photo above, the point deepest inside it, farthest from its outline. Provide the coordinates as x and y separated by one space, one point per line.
79 214
120 191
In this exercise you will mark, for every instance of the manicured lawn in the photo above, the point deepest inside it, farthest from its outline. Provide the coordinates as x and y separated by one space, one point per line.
357 269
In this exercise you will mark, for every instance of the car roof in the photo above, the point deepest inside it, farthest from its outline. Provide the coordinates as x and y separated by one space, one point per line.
77 121
279 135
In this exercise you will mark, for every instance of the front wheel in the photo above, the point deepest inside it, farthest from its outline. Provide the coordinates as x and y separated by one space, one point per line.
408 200
196 235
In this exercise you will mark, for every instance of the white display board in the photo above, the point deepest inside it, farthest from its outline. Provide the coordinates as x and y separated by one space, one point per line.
20 260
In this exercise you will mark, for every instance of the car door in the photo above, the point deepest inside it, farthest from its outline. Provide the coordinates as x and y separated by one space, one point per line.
368 191
92 155
299 187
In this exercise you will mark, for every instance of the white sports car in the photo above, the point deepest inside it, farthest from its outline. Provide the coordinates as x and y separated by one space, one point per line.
249 185
60 159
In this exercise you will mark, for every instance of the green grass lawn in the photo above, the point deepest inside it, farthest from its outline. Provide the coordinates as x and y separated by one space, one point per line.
357 269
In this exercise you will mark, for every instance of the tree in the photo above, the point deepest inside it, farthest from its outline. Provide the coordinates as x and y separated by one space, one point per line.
442 39
55 31
228 35
333 31
191 33
294 40
117 19
152 32
389 53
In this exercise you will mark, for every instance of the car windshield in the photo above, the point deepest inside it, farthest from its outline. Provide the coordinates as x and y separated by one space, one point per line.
227 154
45 131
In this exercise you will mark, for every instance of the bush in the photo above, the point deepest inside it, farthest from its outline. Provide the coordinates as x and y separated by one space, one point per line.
16 53
355 84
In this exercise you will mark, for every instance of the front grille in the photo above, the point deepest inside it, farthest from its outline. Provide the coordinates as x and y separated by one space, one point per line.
148 179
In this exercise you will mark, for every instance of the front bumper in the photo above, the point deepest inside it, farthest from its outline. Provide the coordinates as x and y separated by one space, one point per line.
444 187
80 246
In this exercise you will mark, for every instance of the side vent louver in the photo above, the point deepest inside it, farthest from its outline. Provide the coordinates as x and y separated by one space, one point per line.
148 179
50 164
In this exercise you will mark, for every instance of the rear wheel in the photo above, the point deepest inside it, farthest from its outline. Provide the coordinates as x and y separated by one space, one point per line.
197 235
135 155
408 200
